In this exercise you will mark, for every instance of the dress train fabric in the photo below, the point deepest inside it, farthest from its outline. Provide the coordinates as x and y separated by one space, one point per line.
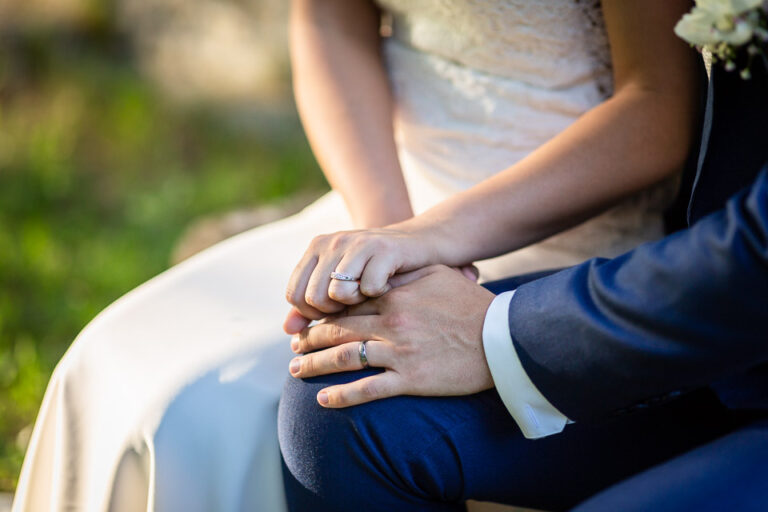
167 400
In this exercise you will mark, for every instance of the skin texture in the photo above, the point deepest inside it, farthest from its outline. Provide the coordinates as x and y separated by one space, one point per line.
426 332
638 137
345 104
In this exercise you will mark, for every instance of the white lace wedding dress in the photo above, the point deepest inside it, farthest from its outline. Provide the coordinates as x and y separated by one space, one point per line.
167 400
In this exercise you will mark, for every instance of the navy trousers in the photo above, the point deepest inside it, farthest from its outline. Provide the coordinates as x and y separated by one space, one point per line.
431 454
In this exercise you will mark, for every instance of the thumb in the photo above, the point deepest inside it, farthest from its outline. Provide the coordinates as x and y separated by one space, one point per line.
295 322
471 272
408 277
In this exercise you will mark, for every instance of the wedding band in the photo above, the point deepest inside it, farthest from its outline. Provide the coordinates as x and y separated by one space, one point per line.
342 277
363 355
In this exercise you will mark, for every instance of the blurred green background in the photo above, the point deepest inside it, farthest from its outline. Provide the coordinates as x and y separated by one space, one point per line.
115 134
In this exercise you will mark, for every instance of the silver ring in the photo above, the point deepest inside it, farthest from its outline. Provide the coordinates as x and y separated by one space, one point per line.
342 277
363 355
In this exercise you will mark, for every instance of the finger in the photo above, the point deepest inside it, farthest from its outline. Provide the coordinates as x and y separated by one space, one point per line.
374 281
317 287
399 280
295 322
297 287
375 387
471 272
334 332
369 307
348 292
344 358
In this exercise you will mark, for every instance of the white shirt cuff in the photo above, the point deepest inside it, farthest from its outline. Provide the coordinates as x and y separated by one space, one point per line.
533 413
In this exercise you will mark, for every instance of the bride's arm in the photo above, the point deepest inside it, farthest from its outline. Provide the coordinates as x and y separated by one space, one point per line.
345 105
638 137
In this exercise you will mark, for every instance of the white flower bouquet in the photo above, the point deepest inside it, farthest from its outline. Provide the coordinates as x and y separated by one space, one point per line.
735 32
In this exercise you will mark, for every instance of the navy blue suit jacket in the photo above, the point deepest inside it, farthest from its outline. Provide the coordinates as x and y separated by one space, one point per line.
688 311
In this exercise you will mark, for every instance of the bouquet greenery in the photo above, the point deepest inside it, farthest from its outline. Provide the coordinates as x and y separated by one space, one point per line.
735 32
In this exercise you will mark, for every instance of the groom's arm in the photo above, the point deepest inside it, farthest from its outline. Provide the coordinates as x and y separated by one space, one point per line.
581 343
668 316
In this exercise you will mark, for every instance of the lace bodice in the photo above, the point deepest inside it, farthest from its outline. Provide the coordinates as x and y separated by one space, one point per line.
480 84
547 43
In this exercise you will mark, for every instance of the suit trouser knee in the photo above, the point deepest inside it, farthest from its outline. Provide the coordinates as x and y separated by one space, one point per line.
397 452
417 453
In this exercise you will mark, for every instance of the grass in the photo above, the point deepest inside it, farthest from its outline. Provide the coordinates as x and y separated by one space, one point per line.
98 178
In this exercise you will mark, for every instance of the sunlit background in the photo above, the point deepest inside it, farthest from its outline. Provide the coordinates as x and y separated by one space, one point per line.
132 133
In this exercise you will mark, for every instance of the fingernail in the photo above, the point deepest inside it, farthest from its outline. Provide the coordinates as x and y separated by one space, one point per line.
322 397
294 367
295 343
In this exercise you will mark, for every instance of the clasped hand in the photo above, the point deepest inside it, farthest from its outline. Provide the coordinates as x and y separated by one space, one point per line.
424 327
372 255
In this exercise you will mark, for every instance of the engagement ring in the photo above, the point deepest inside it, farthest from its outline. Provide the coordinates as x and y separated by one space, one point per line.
342 277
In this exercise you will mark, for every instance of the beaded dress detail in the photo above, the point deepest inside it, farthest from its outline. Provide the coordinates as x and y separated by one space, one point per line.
480 84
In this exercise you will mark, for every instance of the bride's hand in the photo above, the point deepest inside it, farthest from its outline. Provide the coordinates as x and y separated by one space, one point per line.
370 257
295 321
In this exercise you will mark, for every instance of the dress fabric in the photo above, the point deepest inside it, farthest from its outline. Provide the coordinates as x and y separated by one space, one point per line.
167 400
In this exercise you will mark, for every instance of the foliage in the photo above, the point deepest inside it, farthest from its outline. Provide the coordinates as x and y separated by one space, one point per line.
98 177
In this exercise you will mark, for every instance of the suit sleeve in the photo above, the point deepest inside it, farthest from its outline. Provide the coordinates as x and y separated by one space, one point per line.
670 315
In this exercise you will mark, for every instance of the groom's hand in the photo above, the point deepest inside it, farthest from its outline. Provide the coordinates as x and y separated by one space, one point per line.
426 334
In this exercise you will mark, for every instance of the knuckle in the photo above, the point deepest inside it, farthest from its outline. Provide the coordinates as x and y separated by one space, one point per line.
307 365
317 242
305 343
381 243
370 389
336 332
337 398
338 292
372 289
342 358
397 320
292 295
315 300
338 241
322 302
359 243
334 292
310 299
337 296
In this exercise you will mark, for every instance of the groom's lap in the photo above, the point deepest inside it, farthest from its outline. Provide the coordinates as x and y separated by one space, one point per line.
417 453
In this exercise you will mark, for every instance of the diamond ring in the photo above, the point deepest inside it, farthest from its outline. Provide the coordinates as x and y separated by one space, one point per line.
342 277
